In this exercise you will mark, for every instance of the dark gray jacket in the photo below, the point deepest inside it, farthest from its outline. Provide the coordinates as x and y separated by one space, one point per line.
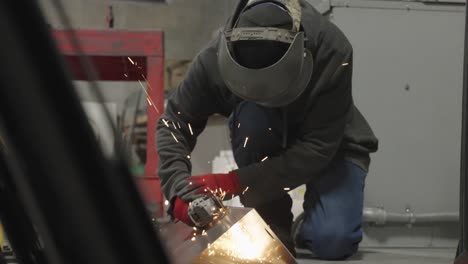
323 123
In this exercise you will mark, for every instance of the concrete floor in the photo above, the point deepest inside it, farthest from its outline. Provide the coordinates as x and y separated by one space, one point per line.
390 256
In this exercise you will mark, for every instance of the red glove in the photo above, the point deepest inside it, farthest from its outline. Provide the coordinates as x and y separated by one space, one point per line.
180 211
226 182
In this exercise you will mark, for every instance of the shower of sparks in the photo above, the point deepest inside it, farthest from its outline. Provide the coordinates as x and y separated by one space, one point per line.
265 158
174 125
238 126
174 137
245 143
345 64
149 102
178 124
287 189
242 245
166 202
193 239
246 189
165 122
131 60
190 127
149 97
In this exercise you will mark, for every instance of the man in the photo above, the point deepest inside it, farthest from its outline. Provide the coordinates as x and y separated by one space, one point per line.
282 74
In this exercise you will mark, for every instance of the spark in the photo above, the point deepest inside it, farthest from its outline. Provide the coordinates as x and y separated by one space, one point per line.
265 158
174 125
269 128
193 239
238 126
246 189
345 64
125 75
149 97
188 156
190 127
166 202
149 85
287 189
131 60
190 183
178 124
178 113
165 122
149 102
245 143
174 137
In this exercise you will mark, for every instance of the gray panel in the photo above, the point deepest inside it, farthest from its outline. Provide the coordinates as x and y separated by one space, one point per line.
323 6
408 83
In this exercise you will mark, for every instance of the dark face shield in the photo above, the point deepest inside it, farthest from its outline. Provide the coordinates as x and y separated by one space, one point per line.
274 86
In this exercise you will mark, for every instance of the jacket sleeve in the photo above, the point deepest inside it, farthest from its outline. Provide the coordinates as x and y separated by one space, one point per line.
185 117
320 137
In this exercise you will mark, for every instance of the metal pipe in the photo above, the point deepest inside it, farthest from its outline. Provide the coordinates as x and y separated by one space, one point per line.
380 217
464 148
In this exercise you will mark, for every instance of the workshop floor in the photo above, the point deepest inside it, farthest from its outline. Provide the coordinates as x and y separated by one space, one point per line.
390 256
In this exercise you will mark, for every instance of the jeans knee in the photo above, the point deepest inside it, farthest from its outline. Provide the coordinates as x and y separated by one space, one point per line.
330 242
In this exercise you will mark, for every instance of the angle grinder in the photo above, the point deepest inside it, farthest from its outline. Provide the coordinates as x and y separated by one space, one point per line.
205 210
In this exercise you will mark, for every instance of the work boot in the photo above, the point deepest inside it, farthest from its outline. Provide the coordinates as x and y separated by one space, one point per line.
296 232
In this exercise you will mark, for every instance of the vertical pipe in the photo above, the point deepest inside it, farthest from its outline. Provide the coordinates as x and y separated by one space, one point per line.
464 149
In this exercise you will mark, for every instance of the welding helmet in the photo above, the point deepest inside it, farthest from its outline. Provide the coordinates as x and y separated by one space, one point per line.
282 79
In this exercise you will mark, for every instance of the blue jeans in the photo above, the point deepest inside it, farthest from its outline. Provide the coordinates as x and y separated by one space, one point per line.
333 202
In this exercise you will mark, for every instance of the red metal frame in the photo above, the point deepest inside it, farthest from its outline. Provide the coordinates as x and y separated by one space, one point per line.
109 51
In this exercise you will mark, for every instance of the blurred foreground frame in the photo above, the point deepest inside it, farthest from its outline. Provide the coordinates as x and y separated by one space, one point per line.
82 206
142 1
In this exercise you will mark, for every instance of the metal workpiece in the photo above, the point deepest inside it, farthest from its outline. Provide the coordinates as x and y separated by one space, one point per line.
240 237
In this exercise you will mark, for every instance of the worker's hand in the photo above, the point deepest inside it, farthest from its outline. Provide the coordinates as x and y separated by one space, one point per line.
181 211
225 182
